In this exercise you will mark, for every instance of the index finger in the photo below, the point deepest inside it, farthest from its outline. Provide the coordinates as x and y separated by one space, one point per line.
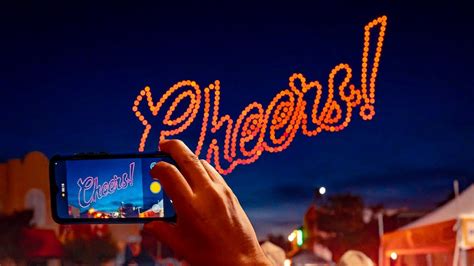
173 183
188 163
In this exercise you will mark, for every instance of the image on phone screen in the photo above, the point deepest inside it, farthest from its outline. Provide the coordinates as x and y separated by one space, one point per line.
110 188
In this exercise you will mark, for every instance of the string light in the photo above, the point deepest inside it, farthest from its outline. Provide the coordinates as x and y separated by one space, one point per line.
367 111
271 129
193 93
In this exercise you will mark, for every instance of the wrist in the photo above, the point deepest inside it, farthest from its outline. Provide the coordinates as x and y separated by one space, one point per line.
257 259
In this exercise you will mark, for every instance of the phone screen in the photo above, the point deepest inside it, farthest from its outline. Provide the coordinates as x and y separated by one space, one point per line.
110 189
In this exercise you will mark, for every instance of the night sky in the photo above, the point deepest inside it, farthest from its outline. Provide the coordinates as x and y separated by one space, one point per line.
69 75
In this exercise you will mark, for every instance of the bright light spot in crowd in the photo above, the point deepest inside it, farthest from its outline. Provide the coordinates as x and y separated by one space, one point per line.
322 190
287 262
291 237
299 237
155 187
393 255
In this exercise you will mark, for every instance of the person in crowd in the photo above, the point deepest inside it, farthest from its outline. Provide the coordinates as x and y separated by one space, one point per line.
355 258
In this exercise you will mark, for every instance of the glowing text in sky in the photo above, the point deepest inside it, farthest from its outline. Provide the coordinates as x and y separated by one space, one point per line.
269 128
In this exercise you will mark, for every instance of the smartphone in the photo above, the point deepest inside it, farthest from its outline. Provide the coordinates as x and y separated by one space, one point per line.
105 188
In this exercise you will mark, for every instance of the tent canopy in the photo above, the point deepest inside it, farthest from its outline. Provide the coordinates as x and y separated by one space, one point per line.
434 232
461 205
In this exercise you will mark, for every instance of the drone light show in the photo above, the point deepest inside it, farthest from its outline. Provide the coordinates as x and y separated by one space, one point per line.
266 128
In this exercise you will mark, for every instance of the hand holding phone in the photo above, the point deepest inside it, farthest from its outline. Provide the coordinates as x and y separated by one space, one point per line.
101 188
211 228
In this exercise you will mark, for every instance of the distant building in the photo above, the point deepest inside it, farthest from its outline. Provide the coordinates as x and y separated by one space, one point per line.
24 184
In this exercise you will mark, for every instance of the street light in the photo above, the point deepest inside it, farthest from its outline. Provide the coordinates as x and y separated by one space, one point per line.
393 255
299 237
292 236
322 191
319 193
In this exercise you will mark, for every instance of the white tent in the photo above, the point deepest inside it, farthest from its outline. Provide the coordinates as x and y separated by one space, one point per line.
461 205
448 229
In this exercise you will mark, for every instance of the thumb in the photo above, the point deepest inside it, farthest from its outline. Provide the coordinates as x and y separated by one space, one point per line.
165 232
